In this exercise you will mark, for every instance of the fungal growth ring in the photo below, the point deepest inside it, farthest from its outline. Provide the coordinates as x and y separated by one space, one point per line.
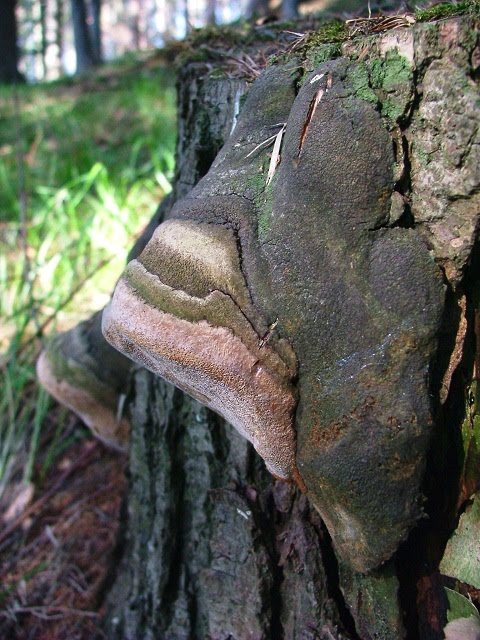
278 294
188 317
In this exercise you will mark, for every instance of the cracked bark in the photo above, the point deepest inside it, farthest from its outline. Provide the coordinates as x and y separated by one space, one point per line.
214 547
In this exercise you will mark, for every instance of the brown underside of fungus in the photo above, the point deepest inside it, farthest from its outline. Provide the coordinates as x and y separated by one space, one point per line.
198 332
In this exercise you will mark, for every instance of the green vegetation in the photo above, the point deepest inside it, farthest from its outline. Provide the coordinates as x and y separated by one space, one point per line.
83 167
332 31
360 82
448 9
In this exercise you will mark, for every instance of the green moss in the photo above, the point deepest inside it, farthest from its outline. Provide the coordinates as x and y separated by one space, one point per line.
386 82
319 54
471 437
335 31
265 213
373 598
218 74
448 9
323 44
316 46
210 42
240 33
392 110
263 197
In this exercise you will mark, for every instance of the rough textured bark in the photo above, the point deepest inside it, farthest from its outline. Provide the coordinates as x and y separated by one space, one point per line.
215 548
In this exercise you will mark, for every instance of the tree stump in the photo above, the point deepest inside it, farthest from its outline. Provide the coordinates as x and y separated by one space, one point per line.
386 125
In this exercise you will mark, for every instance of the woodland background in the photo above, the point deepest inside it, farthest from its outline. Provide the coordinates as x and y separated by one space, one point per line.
55 37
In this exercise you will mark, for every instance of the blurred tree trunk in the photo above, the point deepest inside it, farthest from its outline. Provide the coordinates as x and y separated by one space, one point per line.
59 20
84 49
257 8
215 548
8 43
210 12
96 29
186 16
43 30
289 9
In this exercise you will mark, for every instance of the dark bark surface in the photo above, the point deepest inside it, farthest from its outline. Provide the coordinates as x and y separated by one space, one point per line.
215 548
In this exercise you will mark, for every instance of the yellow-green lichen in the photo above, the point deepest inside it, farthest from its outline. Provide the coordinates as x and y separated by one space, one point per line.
384 81
391 71
360 83
391 77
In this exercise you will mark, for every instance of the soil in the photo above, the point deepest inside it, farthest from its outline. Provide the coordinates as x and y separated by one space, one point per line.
58 540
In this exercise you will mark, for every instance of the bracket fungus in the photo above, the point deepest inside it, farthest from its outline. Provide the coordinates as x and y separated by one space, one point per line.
82 371
295 310
188 318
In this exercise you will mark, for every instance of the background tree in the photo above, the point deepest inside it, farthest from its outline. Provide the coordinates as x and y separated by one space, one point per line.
96 29
289 9
87 34
8 43
210 17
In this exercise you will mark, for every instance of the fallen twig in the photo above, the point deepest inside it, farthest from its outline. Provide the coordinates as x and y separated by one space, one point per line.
43 612
377 24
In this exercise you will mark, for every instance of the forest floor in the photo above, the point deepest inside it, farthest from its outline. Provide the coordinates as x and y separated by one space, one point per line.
84 163
57 542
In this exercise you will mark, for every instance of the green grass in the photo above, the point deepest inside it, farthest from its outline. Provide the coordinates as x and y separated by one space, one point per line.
91 159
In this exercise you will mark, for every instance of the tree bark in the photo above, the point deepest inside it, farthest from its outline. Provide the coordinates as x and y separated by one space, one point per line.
59 25
257 8
289 9
44 41
210 7
214 546
96 30
83 42
8 43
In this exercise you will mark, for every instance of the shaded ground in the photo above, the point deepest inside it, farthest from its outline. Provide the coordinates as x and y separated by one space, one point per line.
56 554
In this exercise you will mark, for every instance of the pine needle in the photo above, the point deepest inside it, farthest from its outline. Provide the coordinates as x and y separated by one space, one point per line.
275 159
267 142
